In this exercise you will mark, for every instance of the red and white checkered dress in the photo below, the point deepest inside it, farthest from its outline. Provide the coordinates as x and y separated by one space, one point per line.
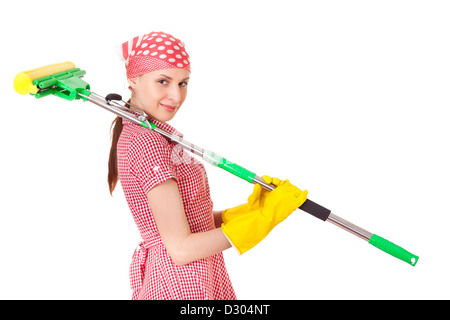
146 159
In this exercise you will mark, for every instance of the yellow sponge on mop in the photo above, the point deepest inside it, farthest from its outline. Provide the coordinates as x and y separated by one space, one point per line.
23 82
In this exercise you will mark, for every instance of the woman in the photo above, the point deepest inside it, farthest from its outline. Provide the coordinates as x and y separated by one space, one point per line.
180 256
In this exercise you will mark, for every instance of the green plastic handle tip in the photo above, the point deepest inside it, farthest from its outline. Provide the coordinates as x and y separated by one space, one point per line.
393 249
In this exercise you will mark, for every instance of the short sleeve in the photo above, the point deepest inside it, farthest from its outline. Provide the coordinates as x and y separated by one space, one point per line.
150 160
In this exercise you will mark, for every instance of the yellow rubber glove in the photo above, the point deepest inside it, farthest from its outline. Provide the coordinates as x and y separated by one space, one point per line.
230 213
246 225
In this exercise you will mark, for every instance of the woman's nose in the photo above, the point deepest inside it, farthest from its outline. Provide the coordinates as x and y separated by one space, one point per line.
174 94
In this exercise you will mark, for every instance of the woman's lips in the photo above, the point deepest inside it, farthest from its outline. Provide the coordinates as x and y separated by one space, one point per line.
168 108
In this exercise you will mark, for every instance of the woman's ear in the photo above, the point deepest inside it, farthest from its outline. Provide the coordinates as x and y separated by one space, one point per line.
132 82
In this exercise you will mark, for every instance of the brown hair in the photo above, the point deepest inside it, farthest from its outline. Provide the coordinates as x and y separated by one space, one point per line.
113 176
116 130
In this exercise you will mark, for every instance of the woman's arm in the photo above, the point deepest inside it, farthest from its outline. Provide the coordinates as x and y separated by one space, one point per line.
217 218
182 245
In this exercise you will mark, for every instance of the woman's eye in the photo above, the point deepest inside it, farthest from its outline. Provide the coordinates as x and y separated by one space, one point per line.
183 84
163 81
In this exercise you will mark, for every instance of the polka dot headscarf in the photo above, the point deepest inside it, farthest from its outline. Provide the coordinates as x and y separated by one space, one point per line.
154 51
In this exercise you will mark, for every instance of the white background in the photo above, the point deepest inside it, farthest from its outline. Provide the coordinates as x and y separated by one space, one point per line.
347 99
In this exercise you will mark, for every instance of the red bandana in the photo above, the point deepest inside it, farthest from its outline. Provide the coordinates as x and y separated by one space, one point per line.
154 51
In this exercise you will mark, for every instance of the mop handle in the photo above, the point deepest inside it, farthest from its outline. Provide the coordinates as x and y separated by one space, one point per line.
217 160
308 206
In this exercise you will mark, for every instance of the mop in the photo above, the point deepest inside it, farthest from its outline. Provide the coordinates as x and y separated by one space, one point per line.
64 80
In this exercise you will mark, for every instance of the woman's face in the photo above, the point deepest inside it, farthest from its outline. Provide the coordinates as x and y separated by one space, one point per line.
160 93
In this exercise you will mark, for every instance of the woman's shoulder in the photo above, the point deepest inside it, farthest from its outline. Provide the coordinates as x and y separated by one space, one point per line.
140 139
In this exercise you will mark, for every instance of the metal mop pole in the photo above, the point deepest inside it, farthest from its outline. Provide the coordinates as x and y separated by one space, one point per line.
309 206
